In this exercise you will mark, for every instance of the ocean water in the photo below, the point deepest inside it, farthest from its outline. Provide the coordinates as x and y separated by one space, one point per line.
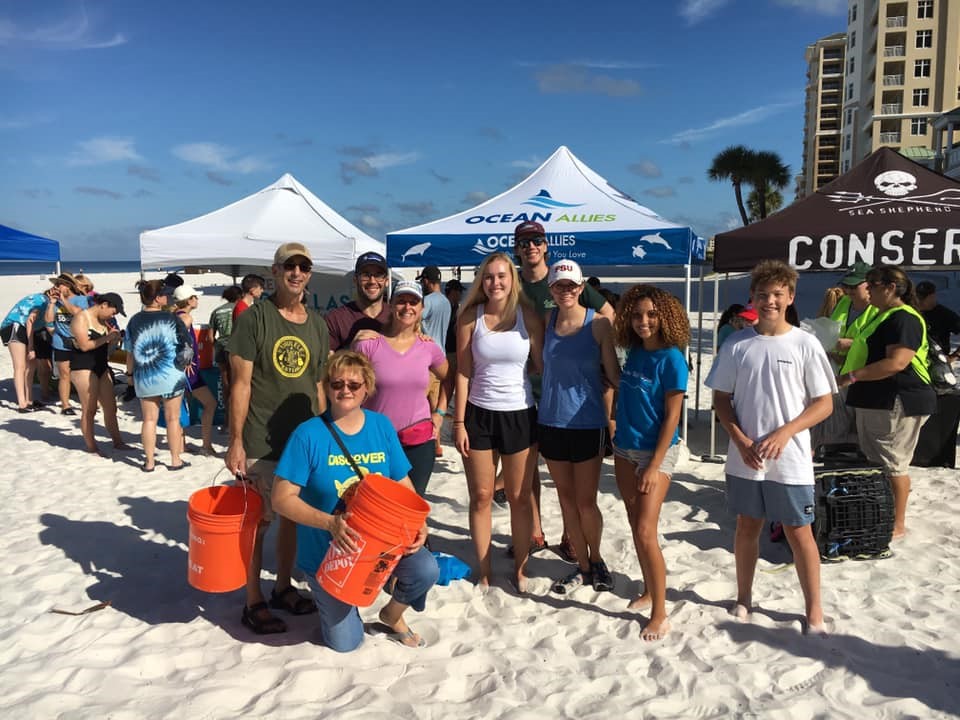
72 266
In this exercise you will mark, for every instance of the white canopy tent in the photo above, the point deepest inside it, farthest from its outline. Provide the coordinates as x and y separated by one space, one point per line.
247 233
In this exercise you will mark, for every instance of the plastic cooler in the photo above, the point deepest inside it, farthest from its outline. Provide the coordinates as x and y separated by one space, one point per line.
854 512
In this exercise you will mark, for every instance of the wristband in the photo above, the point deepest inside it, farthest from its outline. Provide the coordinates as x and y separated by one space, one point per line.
440 412
458 422
851 377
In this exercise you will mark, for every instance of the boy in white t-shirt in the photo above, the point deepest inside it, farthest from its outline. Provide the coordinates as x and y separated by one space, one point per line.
771 383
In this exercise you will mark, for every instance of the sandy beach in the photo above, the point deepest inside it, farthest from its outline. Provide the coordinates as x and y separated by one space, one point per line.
81 530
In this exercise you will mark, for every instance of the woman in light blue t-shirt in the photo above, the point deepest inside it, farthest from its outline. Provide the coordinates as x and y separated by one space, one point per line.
653 325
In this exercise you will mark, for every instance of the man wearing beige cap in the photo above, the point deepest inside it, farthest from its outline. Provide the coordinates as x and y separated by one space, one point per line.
277 350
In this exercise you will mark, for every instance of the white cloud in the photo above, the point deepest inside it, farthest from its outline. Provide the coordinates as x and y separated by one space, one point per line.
693 11
558 79
218 157
21 122
747 117
371 221
386 160
100 151
475 197
645 168
824 7
71 33
533 163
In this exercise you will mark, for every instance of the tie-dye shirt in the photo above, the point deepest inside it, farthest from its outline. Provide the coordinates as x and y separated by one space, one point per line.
161 348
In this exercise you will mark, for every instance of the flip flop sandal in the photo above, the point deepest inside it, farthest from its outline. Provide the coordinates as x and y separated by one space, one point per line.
257 617
408 638
291 601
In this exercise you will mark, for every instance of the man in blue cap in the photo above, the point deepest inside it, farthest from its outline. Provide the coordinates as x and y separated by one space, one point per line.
369 311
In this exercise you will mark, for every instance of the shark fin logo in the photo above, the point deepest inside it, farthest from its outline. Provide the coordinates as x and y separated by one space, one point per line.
545 201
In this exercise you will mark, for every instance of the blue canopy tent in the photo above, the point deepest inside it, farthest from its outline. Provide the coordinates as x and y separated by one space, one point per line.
20 245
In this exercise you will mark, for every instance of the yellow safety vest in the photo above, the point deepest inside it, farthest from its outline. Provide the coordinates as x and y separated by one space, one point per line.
857 356
842 311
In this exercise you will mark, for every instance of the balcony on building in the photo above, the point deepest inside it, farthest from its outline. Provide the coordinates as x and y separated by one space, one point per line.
889 80
898 21
890 138
946 143
891 108
894 50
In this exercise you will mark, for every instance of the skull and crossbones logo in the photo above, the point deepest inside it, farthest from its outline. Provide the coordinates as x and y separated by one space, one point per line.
895 183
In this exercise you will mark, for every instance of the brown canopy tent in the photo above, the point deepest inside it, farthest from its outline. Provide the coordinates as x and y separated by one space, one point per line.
887 210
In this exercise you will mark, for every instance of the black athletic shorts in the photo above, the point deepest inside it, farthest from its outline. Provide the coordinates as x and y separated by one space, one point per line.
571 445
62 355
14 332
42 348
506 431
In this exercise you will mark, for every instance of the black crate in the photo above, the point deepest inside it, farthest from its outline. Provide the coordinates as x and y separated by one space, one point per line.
854 512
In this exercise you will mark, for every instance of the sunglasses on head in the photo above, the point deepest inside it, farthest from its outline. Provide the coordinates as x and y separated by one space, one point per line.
304 266
352 385
526 242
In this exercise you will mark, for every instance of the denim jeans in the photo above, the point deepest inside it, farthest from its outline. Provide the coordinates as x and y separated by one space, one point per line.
340 625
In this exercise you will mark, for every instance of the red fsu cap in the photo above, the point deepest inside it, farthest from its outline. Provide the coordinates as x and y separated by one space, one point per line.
528 228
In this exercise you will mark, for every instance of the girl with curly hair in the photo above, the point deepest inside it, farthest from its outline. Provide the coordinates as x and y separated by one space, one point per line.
653 326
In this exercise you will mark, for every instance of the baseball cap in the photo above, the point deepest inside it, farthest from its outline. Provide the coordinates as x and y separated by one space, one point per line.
565 270
925 288
856 274
528 228
371 258
431 273
749 313
408 287
113 300
289 250
67 279
185 292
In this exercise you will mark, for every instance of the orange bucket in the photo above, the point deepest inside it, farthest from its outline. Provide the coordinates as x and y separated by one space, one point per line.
205 347
223 527
387 516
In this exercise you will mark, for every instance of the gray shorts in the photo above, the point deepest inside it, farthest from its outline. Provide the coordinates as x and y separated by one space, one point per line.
888 437
260 474
641 458
791 505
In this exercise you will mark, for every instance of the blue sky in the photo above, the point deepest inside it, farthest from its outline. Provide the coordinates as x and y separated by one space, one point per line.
127 115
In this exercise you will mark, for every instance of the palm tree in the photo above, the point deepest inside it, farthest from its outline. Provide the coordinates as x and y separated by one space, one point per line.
774 201
767 173
736 165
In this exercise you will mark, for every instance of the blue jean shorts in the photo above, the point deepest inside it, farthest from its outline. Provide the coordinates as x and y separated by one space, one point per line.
791 505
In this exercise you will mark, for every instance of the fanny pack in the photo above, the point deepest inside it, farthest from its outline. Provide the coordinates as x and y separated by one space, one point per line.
417 433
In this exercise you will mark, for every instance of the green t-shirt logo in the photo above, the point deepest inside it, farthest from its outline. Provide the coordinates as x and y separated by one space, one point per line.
291 356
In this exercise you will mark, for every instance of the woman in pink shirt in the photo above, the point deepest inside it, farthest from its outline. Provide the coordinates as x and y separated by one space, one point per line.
402 360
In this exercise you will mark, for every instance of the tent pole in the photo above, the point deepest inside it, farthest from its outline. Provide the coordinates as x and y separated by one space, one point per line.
686 306
713 457
696 402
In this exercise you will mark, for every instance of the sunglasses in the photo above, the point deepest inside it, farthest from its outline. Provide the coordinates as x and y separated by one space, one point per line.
524 243
304 266
352 385
379 275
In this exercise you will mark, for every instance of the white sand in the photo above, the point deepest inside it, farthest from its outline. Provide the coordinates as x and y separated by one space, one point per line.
82 530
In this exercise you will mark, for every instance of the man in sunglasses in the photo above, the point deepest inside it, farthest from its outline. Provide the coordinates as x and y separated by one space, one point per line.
277 350
369 311
530 248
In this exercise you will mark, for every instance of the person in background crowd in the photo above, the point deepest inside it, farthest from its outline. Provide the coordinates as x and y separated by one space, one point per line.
94 338
43 354
277 351
594 282
436 322
577 350
17 332
888 382
406 365
942 322
252 287
771 384
728 324
853 311
312 478
652 324
186 300
454 292
66 302
495 411
158 352
530 247
84 284
369 311
831 296
221 322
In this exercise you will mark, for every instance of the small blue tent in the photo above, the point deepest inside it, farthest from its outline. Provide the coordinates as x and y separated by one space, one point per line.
19 245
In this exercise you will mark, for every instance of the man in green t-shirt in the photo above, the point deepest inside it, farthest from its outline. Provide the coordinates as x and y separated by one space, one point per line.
277 350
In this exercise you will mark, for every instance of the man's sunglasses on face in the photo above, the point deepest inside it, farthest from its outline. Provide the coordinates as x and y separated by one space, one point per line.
524 243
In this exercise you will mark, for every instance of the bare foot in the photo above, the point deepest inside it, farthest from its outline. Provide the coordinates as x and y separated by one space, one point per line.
96 451
656 629
816 629
899 533
520 583
740 611
208 452
641 602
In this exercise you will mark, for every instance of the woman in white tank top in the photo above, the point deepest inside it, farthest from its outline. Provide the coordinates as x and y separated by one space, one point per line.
494 413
